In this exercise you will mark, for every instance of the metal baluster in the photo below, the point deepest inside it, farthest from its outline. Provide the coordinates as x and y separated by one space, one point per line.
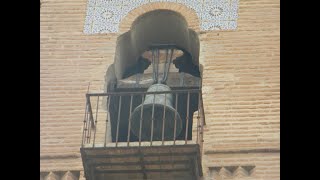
107 120
90 121
175 120
88 127
202 123
84 137
141 120
84 125
96 122
118 121
152 119
129 126
164 117
198 119
187 119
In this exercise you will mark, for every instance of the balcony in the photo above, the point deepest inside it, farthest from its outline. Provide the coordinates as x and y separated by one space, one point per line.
127 137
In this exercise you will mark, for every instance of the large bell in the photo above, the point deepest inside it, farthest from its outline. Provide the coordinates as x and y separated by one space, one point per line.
153 108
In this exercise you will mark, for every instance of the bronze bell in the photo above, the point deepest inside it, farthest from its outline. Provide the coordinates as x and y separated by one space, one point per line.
156 108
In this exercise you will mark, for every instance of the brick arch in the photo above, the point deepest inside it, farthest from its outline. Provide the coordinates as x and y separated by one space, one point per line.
189 14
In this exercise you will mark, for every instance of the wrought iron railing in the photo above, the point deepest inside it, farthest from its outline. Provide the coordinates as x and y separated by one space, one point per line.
107 119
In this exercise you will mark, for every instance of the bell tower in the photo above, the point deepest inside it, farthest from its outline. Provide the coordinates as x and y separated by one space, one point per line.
160 52
153 102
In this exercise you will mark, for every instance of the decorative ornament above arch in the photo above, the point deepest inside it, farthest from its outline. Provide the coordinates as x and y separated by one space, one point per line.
105 16
189 14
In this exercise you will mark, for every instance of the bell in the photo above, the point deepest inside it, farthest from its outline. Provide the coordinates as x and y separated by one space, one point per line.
159 108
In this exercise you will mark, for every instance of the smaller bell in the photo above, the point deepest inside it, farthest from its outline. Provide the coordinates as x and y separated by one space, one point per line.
153 109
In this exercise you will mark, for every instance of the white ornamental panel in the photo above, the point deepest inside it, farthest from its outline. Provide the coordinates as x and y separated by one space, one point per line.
104 16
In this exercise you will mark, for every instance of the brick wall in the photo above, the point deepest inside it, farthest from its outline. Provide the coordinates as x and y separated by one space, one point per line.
241 85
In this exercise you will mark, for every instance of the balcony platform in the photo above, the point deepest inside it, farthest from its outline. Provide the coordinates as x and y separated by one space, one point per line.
133 162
